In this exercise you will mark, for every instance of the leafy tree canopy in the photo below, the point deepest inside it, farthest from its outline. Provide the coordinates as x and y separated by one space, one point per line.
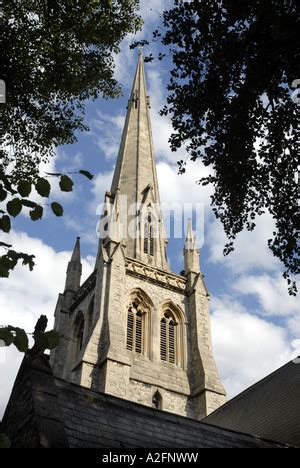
55 55
231 102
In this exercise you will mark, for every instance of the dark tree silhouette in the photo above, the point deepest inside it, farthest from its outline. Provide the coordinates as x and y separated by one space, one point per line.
231 102
54 56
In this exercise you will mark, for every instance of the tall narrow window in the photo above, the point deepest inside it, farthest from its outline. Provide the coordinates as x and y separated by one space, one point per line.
146 238
149 244
168 338
135 330
138 333
130 322
79 335
172 349
163 340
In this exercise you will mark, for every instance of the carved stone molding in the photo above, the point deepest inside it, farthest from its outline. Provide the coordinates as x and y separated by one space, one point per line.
167 280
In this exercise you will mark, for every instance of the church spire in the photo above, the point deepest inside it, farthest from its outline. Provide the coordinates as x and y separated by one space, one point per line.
191 252
74 269
135 178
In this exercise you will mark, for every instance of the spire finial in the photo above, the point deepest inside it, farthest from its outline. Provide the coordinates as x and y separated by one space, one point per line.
140 47
74 269
190 236
76 251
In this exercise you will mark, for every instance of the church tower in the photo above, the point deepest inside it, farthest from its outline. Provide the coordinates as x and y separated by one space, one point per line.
134 329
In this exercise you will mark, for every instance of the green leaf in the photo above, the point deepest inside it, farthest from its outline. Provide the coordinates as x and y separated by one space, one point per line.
66 184
4 267
27 260
36 213
40 340
52 338
7 336
57 209
54 174
3 244
14 207
29 204
5 224
43 187
87 174
3 194
4 441
21 340
24 188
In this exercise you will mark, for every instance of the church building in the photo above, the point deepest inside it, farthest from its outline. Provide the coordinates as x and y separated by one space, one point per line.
135 329
134 367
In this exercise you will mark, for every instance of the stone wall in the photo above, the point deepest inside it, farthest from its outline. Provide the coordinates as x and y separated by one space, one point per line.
192 387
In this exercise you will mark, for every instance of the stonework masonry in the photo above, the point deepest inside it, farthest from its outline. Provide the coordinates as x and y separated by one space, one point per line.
101 346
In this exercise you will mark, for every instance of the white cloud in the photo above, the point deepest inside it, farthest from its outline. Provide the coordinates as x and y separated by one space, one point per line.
182 188
27 295
107 130
125 61
251 249
271 293
101 185
246 347
86 229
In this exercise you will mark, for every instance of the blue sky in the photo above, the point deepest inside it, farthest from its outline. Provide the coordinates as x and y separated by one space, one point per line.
255 324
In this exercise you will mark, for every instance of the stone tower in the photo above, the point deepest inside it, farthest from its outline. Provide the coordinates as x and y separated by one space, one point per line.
134 329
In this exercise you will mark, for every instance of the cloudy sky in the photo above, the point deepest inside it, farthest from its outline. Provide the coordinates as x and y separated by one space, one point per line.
255 324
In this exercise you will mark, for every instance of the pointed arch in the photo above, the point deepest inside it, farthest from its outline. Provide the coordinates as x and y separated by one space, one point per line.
149 236
138 310
172 334
79 332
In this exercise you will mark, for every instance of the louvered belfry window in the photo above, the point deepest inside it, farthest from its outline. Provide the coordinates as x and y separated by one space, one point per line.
135 330
130 322
163 340
149 244
168 338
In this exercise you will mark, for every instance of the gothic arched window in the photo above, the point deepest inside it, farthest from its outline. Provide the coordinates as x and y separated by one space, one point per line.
79 333
138 312
149 243
135 329
171 337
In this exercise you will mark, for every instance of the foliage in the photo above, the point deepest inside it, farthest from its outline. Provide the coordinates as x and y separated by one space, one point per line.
55 56
19 338
42 340
18 196
231 103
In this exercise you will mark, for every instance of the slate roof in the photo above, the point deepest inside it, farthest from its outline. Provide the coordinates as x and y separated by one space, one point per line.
47 412
269 409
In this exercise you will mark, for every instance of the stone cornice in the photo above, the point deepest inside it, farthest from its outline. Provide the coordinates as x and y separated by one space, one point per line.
154 275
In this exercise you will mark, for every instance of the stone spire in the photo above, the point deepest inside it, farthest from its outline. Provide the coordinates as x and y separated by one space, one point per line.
191 252
135 177
74 269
